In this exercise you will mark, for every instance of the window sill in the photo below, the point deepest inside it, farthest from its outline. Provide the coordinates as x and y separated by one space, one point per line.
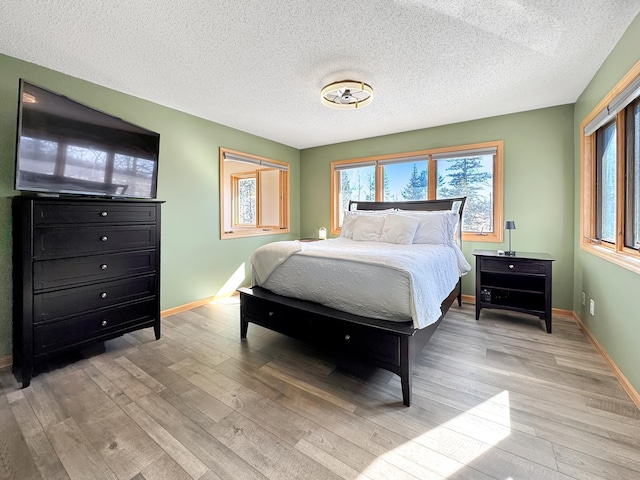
252 232
625 260
485 237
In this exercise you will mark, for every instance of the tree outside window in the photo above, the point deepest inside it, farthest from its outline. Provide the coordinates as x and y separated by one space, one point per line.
356 183
606 183
406 180
246 201
470 177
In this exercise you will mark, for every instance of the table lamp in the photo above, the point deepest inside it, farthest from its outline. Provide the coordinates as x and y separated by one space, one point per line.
510 225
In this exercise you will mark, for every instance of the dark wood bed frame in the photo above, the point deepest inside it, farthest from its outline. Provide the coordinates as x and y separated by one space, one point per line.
389 345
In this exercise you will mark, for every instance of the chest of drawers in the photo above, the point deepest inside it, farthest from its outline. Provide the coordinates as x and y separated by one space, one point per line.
85 270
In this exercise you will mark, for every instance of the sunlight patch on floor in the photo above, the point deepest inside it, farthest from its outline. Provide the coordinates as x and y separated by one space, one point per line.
454 444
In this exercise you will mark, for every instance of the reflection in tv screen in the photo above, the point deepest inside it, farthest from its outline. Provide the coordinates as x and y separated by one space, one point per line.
65 147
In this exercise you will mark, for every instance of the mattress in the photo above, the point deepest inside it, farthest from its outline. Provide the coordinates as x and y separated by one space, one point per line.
373 279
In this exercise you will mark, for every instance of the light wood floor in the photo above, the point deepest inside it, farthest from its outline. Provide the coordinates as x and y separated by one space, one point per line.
494 399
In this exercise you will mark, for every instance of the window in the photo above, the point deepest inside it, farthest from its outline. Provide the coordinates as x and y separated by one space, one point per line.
254 195
632 217
469 175
474 171
245 199
610 156
606 183
356 182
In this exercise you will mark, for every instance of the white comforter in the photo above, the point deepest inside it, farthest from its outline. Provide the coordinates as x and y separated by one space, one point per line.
432 270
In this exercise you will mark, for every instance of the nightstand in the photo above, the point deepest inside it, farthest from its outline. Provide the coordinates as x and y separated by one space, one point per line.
521 283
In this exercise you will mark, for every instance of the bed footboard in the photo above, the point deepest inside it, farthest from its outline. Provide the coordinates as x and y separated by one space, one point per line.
389 345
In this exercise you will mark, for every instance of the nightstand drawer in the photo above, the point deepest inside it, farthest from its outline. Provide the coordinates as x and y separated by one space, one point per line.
512 265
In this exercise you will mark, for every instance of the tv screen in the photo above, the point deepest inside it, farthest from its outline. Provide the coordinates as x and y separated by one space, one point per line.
65 147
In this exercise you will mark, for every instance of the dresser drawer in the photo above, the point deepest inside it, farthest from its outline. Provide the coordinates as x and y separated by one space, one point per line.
79 213
511 265
96 268
60 241
48 337
71 301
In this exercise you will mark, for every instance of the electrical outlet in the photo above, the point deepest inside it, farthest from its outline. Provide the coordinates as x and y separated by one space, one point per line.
584 298
592 306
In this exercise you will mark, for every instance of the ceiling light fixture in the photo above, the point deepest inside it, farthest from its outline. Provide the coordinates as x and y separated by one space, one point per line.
346 94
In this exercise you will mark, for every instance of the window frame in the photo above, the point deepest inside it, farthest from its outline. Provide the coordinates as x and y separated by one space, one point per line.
600 135
632 181
228 200
616 252
498 183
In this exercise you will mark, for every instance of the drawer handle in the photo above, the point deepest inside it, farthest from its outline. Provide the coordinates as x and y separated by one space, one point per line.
104 238
103 266
103 295
347 337
104 323
271 314
511 266
104 214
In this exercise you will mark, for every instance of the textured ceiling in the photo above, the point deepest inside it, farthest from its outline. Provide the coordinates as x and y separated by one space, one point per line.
259 65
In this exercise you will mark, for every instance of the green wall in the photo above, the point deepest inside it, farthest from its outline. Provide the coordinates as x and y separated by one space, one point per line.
195 262
616 323
538 181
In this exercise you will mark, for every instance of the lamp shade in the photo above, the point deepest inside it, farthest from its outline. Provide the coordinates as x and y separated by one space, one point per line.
510 225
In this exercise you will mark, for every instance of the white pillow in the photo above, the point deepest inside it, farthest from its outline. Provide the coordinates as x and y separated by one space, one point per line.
348 222
349 218
368 228
435 227
399 229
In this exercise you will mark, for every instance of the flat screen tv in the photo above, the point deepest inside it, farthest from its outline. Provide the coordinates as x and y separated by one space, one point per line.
65 147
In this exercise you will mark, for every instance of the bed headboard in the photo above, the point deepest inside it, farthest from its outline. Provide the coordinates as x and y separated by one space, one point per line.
453 204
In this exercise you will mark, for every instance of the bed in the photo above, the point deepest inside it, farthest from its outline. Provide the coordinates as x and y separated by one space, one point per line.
354 324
